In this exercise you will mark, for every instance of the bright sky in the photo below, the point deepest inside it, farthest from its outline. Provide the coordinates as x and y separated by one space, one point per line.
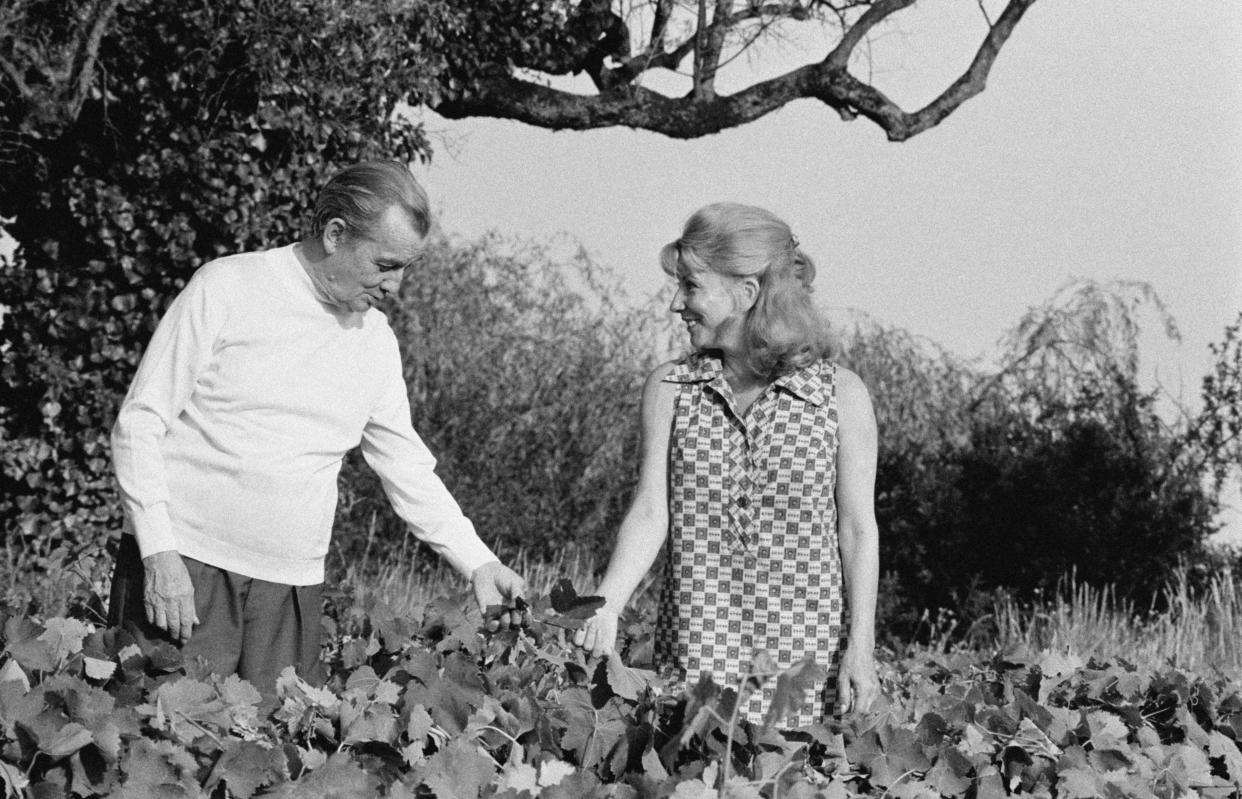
1108 144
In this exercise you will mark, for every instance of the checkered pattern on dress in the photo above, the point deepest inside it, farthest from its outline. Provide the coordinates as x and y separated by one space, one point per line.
753 560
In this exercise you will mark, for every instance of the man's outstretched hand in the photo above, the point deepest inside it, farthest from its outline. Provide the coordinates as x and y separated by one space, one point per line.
498 586
168 594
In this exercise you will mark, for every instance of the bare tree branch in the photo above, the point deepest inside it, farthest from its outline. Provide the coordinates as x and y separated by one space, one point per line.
839 58
17 77
983 10
659 25
700 47
975 79
713 46
627 104
66 70
87 56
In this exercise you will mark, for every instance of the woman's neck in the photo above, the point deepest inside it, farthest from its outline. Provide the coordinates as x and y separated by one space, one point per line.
741 377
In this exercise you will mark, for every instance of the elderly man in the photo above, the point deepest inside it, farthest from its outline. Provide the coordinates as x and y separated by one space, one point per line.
266 369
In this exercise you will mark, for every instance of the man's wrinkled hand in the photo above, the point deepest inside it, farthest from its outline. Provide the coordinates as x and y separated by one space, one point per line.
168 594
497 589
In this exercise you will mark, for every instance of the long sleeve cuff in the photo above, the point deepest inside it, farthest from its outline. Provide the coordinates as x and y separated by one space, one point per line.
152 528
465 551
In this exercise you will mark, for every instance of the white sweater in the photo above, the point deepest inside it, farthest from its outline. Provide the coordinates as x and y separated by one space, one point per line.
228 445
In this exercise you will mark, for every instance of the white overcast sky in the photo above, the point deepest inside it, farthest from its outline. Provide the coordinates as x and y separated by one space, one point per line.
1108 144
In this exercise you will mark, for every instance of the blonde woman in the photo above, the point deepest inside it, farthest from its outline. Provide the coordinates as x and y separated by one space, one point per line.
758 471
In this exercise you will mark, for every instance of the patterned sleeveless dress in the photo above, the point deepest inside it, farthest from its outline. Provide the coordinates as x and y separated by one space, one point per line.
753 562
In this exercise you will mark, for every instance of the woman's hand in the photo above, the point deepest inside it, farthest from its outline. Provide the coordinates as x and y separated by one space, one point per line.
857 685
599 634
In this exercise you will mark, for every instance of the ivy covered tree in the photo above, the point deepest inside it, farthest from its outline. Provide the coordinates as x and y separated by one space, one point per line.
493 59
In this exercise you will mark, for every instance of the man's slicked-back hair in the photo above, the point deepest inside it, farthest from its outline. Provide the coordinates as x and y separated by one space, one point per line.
360 194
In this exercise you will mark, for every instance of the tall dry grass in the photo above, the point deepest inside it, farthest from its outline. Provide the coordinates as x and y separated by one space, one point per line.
1199 630
1196 630
405 588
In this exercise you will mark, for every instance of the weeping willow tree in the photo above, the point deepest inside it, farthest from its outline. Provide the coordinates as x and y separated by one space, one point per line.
1054 461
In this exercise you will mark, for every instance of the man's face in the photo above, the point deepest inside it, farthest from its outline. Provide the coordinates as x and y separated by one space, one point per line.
362 270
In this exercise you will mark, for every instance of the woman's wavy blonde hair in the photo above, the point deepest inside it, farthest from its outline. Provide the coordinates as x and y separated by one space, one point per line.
784 330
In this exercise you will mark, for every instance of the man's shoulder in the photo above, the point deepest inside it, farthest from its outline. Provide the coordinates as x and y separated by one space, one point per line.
229 270
377 325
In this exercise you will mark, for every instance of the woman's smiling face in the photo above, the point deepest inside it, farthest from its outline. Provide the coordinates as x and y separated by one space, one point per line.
711 306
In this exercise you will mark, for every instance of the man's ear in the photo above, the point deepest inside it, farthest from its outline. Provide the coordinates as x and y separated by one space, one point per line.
334 234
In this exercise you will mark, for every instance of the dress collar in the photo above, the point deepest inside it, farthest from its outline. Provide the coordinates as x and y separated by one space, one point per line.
806 383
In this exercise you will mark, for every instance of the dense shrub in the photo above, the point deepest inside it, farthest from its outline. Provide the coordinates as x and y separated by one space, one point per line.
1053 463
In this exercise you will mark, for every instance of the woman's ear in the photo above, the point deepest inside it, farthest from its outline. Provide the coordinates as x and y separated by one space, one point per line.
334 234
748 291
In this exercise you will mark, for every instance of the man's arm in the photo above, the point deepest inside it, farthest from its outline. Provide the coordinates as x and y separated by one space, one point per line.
179 350
406 469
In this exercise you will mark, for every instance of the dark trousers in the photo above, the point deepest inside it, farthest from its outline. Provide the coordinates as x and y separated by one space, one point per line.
249 627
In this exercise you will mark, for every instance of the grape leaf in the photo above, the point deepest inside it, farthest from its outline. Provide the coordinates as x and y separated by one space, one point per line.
975 744
1055 669
1107 731
26 646
1189 766
418 723
1227 749
625 682
336 778
64 637
12 673
65 741
244 767
519 777
566 602
458 771
15 782
653 766
988 784
1078 783
576 716
740 788
950 775
693 789
187 708
240 699
97 669
551 772
157 770
370 722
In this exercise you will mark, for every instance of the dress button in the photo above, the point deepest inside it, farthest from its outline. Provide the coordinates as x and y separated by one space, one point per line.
743 502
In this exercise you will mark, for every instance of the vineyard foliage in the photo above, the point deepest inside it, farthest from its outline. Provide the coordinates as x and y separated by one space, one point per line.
428 705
